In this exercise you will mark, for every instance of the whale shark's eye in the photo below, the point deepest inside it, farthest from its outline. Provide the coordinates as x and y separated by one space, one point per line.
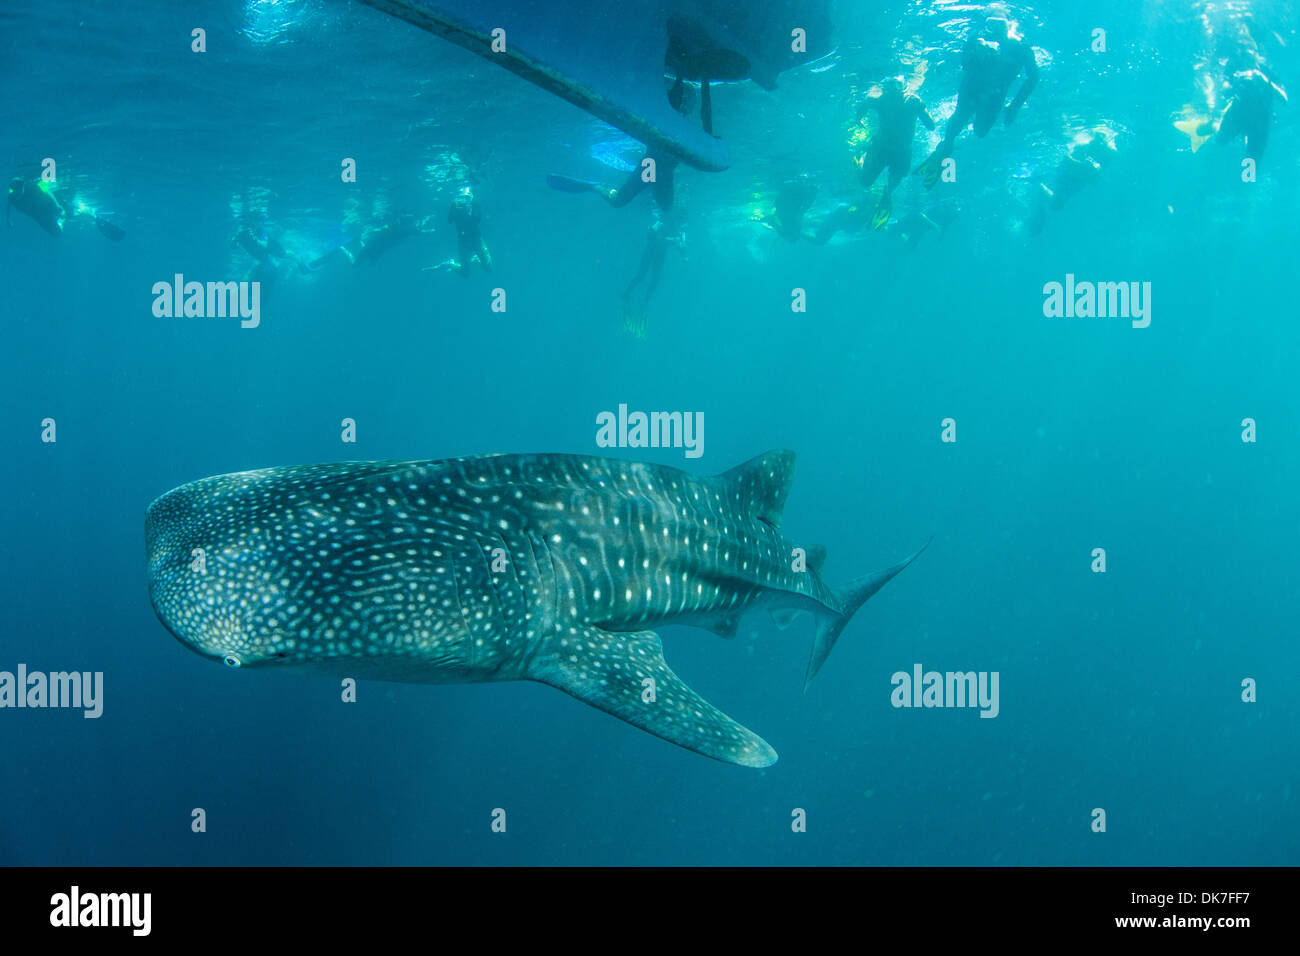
231 660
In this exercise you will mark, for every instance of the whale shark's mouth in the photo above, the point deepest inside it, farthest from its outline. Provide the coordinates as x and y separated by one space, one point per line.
183 596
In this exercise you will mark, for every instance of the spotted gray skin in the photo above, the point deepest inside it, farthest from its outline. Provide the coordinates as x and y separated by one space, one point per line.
509 567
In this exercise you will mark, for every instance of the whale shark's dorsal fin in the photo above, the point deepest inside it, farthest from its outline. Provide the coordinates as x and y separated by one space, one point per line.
762 484
624 674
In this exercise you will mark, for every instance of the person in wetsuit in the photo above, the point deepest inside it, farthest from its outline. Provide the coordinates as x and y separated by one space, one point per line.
271 261
1084 162
663 233
664 165
990 64
465 216
376 241
1249 112
36 199
897 110
794 198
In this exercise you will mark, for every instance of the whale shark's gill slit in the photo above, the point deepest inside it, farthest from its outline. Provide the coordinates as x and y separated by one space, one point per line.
537 566
555 585
455 590
499 591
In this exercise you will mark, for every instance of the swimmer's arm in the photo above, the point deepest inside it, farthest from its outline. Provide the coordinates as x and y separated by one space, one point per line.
924 116
1227 110
869 103
1027 87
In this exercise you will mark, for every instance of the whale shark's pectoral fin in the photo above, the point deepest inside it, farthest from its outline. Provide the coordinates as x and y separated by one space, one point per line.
624 674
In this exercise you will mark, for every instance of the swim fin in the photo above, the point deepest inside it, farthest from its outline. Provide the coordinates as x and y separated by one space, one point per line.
1198 128
114 233
567 184
930 169
635 322
884 208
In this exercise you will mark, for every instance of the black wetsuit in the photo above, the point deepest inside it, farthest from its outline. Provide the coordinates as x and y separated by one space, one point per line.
376 242
665 167
891 141
988 70
793 201
33 201
260 249
1250 111
1082 166
466 216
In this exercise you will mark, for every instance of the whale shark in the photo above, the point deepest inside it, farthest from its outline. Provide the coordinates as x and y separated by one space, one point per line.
545 567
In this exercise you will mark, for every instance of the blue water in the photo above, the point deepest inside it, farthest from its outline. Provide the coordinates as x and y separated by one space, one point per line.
1119 691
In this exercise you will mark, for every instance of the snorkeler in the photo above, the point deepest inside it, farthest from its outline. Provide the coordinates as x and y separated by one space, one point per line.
1234 67
844 217
375 241
1084 161
37 200
260 248
916 225
794 198
664 167
890 145
910 228
465 216
663 232
1249 112
271 261
663 164
990 64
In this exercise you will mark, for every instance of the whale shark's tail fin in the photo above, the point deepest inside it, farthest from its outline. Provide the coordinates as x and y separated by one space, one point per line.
851 598
624 674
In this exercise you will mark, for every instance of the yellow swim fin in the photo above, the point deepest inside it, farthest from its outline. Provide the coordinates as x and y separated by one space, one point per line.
1199 128
930 169
635 322
881 217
